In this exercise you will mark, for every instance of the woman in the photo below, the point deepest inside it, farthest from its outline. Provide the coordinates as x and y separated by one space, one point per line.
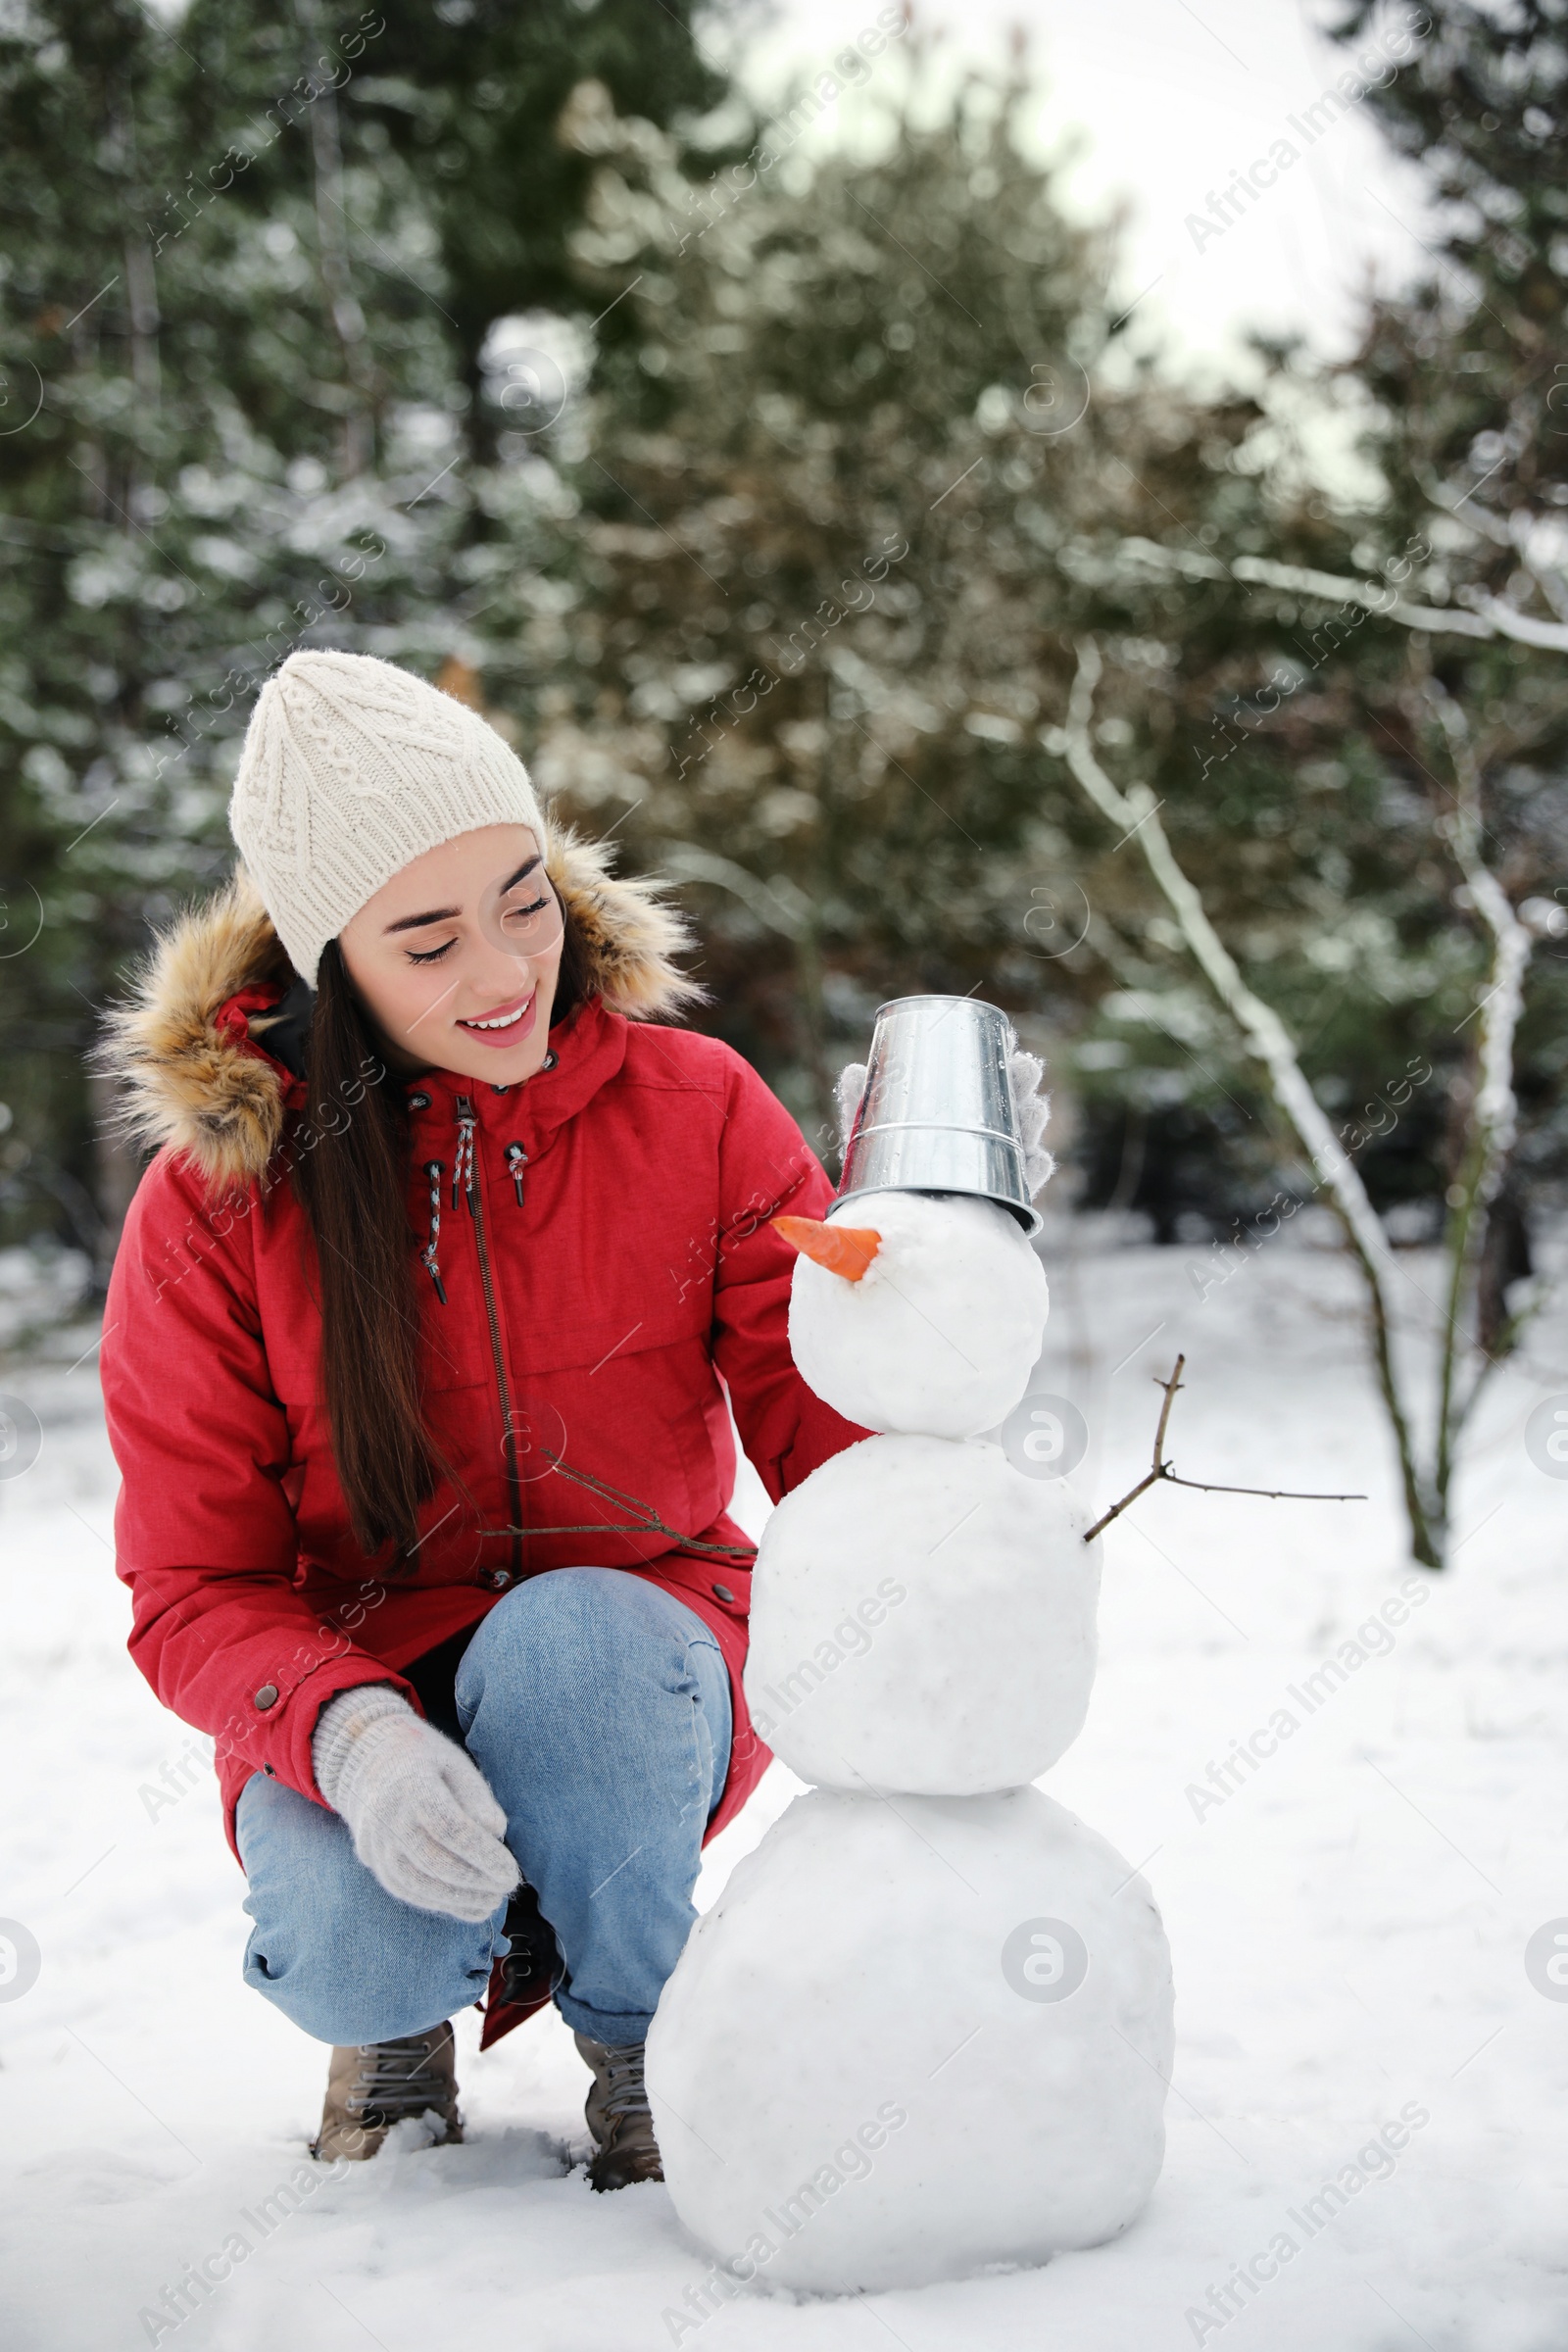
412 1363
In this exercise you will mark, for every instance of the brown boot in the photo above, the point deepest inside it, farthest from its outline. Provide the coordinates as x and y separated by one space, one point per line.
618 2117
372 2085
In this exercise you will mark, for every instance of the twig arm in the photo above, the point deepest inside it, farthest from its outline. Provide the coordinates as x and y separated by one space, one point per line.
1156 1471
1160 1473
1116 1510
1171 1388
1269 1494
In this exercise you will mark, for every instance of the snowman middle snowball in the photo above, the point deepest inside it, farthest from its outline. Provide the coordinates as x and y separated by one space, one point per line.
922 1618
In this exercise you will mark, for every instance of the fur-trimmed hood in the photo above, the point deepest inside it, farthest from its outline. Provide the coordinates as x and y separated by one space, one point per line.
184 1054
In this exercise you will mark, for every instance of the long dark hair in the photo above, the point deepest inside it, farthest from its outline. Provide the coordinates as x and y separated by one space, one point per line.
350 1172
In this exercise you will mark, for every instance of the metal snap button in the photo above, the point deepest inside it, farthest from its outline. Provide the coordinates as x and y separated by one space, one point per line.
419 1102
722 1592
499 1579
266 1696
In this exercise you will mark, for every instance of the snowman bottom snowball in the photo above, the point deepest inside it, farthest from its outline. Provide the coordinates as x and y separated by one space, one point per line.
904 2044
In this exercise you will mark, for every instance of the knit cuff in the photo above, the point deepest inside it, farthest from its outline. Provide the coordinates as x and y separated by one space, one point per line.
340 1725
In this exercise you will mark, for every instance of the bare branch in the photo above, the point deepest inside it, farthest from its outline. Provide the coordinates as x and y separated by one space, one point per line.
778 903
1160 1472
1137 812
1171 1388
1116 1510
649 1524
1203 1486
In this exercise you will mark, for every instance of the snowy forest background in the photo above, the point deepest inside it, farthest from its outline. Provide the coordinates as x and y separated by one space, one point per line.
507 356
824 525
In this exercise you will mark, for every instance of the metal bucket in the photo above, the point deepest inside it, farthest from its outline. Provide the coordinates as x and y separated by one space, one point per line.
936 1111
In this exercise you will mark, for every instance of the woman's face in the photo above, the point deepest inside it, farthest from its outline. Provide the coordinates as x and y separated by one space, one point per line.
455 959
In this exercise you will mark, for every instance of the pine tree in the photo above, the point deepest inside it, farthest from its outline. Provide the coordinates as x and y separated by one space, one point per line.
241 319
856 777
1448 672
1471 437
798 629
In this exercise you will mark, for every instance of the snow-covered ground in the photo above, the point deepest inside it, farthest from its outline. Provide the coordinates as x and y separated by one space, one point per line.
1350 1921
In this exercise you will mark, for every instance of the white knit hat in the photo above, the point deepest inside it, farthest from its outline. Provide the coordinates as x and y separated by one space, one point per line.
351 768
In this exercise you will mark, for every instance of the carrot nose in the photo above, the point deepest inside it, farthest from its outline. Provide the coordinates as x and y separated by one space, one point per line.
846 1250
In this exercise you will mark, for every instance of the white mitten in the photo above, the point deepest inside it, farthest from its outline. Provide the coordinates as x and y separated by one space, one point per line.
1031 1107
419 1808
1033 1110
847 1093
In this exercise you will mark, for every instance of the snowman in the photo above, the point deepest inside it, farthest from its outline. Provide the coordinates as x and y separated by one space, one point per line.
926 2027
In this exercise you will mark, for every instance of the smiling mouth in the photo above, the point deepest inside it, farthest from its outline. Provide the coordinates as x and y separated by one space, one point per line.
500 1020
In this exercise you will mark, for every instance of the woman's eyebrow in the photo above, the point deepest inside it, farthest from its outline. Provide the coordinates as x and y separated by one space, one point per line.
449 914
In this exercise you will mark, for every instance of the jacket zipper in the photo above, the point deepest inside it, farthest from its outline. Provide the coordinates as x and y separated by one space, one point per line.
475 1196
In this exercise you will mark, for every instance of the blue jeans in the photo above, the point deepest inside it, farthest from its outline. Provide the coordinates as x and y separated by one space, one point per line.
598 1708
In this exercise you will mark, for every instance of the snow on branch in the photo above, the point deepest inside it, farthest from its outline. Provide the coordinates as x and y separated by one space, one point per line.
1501 1008
1137 812
1495 1111
1485 617
778 903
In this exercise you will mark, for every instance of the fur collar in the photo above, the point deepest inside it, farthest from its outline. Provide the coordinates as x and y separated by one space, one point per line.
191 1077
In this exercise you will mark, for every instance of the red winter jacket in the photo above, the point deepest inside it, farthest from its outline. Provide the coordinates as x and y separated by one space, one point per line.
637 1268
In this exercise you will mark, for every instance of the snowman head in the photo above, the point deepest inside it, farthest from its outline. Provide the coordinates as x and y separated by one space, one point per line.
916 1311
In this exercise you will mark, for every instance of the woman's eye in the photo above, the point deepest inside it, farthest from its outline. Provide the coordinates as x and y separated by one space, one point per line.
428 954
535 906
